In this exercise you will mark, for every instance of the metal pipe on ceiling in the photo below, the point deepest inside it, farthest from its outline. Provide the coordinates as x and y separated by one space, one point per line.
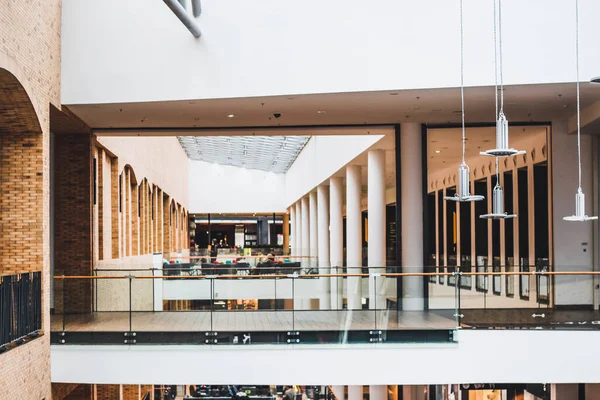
183 16
196 8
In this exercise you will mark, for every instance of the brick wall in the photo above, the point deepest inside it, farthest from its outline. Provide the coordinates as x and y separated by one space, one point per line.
108 392
72 223
29 83
131 392
71 391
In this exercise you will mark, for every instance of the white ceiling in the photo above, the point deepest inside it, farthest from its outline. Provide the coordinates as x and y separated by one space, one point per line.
266 153
522 103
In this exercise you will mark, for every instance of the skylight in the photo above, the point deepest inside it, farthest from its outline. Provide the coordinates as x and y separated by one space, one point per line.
266 153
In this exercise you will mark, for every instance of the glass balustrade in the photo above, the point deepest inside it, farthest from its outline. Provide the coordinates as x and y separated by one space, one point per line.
284 304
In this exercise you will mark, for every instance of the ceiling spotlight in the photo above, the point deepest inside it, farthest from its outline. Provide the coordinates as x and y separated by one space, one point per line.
230 115
437 152
321 112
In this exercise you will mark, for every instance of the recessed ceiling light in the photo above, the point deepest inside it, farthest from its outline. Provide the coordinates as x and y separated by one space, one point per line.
321 112
437 151
230 115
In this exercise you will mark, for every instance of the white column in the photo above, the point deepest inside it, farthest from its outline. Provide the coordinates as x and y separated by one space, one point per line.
412 216
304 303
338 391
377 392
305 231
323 245
336 240
298 230
376 227
313 235
293 245
353 237
355 392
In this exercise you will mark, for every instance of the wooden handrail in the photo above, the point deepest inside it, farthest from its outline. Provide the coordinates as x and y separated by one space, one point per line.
307 276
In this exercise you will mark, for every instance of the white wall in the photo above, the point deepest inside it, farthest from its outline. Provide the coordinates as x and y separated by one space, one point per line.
322 157
409 364
569 237
160 159
215 188
137 50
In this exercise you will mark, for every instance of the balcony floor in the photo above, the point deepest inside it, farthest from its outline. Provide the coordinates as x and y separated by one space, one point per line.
166 321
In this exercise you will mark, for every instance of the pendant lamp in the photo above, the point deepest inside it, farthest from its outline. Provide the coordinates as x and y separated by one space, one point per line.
498 202
502 149
463 193
579 196
501 139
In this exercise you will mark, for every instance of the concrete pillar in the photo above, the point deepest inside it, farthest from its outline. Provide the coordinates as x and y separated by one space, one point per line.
286 232
304 303
313 235
414 392
378 392
353 237
412 216
298 250
564 391
338 391
293 229
336 240
305 231
355 392
323 245
376 227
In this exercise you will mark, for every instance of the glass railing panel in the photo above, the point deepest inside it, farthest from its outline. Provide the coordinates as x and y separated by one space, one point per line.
253 303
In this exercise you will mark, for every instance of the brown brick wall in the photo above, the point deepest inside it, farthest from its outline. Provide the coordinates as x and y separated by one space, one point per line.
72 226
30 53
21 172
131 392
146 389
114 207
108 392
100 160
71 391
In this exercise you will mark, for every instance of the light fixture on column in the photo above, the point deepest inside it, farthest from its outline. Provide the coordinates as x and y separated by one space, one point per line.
463 192
502 149
579 196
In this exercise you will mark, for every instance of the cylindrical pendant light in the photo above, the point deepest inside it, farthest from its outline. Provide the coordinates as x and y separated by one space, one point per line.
501 140
502 149
579 196
498 206
463 192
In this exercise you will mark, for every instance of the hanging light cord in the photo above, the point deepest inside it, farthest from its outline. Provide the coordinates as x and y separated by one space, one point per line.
500 45
578 112
495 61
496 80
462 89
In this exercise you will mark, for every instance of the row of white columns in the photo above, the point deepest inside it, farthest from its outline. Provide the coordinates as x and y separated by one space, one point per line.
317 229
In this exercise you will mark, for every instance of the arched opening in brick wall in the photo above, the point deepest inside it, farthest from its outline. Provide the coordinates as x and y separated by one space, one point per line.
21 180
